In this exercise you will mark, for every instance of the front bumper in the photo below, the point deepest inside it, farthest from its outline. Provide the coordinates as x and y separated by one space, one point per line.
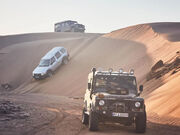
108 116
123 110
39 76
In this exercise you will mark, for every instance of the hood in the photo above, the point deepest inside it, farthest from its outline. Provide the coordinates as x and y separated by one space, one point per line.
113 96
40 70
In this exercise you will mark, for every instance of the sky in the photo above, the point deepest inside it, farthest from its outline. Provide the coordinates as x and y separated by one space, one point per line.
98 16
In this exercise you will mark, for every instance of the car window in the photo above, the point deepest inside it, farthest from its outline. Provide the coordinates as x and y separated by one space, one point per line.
62 50
44 63
58 55
52 60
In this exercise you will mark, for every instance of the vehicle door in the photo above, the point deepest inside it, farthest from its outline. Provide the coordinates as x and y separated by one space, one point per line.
58 58
63 53
53 63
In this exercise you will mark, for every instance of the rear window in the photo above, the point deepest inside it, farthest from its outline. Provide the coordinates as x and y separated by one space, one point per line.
63 50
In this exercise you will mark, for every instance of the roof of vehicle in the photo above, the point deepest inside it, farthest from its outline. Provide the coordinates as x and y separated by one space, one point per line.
52 52
66 21
112 73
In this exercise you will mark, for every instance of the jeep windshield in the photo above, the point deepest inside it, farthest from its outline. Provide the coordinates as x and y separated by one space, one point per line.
44 63
115 84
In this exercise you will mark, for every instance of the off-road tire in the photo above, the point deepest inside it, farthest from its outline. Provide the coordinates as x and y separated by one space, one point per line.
93 121
49 73
140 123
85 117
65 61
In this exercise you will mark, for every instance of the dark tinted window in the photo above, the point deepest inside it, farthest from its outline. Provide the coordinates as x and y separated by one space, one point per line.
58 55
44 63
52 60
63 50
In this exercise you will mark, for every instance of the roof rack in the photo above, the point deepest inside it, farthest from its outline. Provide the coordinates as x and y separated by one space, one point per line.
111 72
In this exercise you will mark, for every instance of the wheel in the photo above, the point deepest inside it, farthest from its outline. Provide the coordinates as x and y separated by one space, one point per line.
65 61
140 123
93 121
85 117
49 73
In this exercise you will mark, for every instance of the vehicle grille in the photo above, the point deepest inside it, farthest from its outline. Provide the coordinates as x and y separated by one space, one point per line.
37 75
119 107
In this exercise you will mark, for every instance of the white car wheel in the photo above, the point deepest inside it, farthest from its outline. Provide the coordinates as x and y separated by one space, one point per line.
49 73
65 61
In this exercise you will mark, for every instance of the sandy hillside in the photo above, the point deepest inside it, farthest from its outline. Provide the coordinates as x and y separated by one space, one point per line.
86 51
138 47
162 42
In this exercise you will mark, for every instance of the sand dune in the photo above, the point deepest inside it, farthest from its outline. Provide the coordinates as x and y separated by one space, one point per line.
138 47
21 38
170 30
86 51
158 46
19 60
161 42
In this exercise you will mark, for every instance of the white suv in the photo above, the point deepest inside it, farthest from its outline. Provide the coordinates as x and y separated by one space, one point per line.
50 62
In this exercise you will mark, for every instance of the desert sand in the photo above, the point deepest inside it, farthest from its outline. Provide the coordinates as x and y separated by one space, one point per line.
138 47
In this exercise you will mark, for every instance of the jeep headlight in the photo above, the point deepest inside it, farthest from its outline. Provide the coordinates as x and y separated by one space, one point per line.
101 102
137 104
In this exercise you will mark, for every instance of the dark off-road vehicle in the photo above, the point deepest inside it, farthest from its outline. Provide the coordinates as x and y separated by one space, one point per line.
113 96
69 26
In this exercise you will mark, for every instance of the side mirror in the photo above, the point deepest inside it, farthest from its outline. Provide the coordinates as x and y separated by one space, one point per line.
141 88
89 86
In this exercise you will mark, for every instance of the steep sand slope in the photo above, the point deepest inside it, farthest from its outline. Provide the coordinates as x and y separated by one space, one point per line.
19 60
165 100
161 41
86 51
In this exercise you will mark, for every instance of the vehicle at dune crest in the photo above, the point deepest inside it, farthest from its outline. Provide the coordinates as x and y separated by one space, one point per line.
112 96
69 26
50 62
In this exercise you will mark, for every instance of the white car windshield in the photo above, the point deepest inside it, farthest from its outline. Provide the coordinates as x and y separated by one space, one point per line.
44 63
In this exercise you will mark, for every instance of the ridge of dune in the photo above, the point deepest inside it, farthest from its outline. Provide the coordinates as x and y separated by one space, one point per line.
158 46
170 31
7 40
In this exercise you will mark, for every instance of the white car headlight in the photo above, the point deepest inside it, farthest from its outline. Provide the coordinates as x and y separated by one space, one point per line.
42 73
101 102
137 104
